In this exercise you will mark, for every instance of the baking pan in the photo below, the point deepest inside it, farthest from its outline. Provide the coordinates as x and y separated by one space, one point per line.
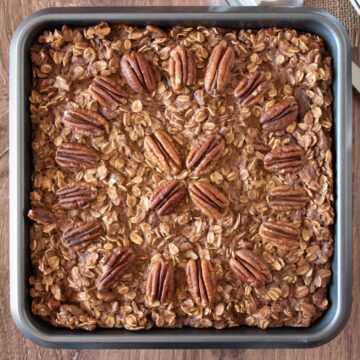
303 19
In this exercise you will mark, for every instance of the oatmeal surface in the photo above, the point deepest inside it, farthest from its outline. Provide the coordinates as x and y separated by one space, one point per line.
182 177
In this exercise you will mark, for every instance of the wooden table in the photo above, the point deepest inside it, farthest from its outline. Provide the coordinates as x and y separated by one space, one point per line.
14 346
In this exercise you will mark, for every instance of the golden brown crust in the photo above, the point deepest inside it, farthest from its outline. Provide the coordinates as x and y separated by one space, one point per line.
274 212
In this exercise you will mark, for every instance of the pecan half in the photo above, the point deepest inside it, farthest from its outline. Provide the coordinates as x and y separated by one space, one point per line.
280 115
288 158
201 281
302 101
250 268
156 33
284 198
206 154
251 89
76 195
162 152
182 68
106 92
76 157
80 233
281 234
69 310
167 196
160 282
218 71
115 262
137 72
208 198
41 215
84 122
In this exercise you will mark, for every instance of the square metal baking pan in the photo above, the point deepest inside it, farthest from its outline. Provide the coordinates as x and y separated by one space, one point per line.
303 19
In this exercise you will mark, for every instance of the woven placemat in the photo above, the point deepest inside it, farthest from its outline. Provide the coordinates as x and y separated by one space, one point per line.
344 12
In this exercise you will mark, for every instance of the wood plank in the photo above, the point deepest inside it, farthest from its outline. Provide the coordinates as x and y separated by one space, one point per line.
15 346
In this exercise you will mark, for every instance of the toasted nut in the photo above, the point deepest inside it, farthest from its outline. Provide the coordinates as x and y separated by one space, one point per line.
288 158
76 195
137 72
162 152
115 262
204 157
160 282
208 198
80 233
250 268
251 89
76 157
280 115
302 101
201 281
84 122
41 215
167 196
107 92
281 234
284 198
218 71
155 32
182 68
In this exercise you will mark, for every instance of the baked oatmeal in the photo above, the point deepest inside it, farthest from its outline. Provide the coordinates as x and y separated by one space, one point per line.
182 177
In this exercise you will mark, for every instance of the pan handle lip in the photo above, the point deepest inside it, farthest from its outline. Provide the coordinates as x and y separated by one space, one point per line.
82 339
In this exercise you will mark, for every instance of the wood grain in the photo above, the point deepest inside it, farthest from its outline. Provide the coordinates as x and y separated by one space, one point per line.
15 346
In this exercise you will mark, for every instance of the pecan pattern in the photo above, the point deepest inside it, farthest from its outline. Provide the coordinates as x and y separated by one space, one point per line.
76 157
76 195
162 152
81 233
204 157
41 215
182 69
218 71
106 92
286 159
160 282
251 89
167 196
280 234
201 281
285 198
115 262
208 198
250 268
137 72
280 115
84 122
